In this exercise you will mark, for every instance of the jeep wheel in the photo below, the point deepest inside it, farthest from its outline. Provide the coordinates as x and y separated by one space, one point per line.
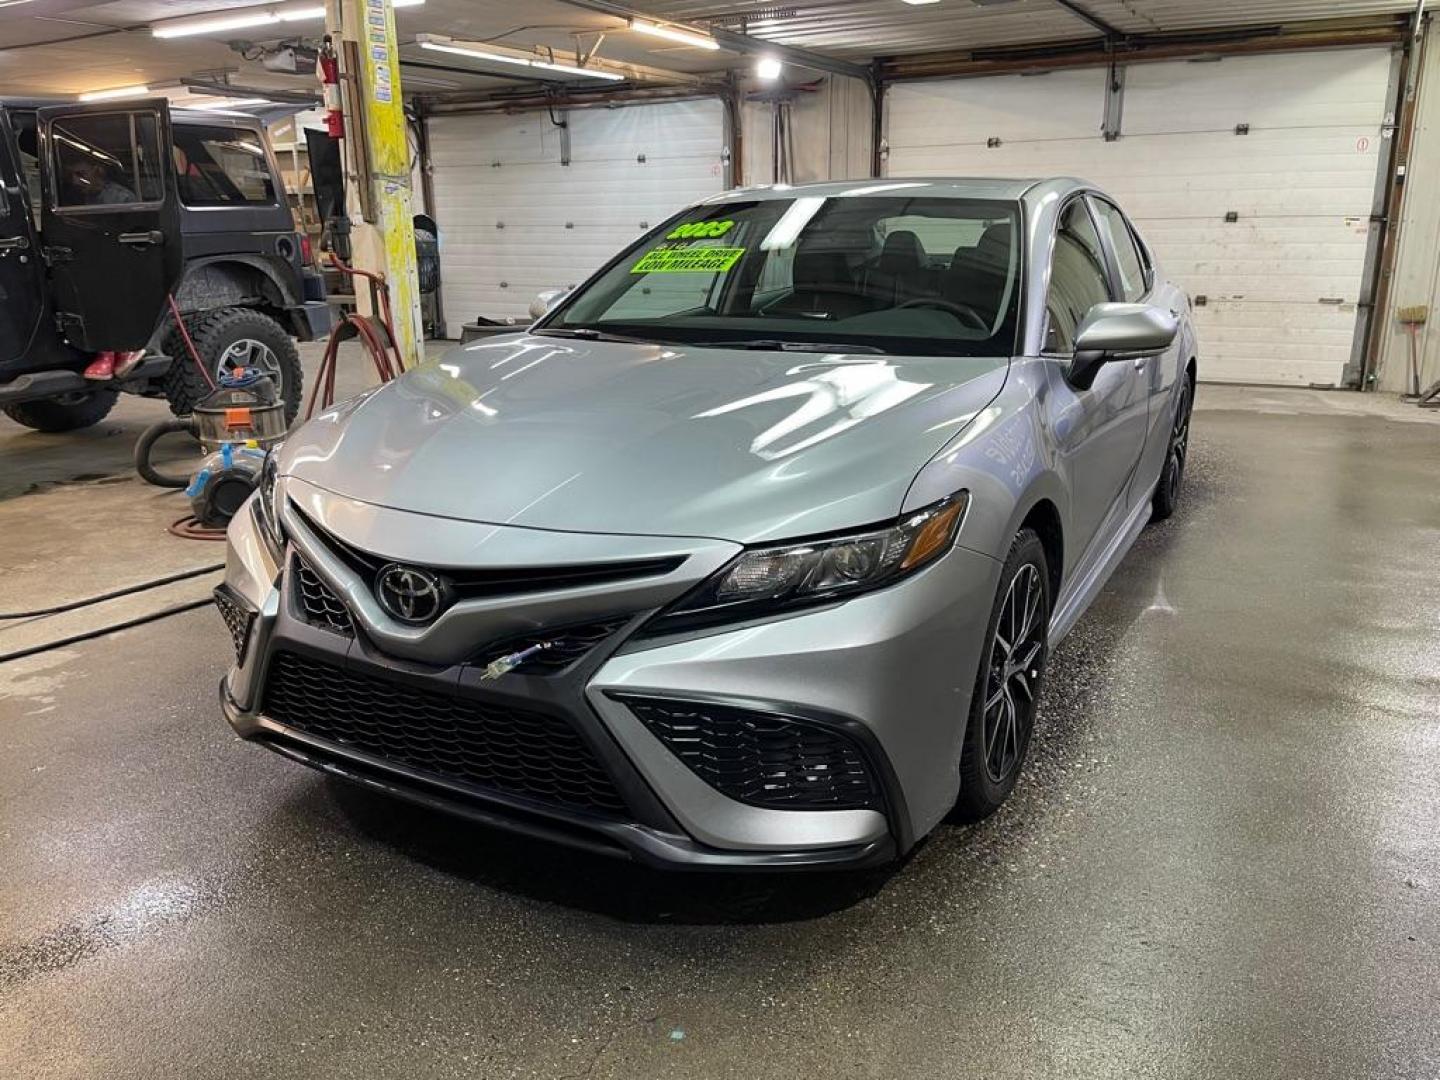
228 339
67 413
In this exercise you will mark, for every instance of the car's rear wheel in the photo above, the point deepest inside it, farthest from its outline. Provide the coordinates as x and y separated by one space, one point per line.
1167 492
68 413
1012 667
227 340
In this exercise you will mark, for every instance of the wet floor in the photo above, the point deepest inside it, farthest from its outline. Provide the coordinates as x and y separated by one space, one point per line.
1224 860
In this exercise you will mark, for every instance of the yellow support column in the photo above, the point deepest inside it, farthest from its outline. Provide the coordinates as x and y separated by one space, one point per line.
378 156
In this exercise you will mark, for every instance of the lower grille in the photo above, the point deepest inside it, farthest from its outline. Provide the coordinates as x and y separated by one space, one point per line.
238 619
316 603
490 747
760 758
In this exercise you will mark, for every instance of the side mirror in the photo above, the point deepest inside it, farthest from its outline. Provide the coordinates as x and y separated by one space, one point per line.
1119 332
544 300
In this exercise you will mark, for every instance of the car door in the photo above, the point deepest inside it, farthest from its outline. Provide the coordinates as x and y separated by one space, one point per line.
1099 429
21 271
110 223
1139 284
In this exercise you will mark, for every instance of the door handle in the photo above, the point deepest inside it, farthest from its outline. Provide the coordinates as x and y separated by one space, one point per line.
143 239
14 243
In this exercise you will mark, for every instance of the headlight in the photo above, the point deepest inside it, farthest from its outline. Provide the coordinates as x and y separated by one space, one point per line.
776 578
267 512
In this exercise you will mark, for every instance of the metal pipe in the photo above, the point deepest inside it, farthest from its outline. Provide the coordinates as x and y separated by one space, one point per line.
1091 19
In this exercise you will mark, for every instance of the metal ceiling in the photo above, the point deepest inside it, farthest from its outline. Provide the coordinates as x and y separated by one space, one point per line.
867 28
70 46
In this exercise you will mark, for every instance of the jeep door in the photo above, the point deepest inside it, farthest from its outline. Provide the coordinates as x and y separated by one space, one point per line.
111 223
21 271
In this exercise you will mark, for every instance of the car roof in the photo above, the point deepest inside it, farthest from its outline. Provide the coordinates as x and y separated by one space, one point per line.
936 187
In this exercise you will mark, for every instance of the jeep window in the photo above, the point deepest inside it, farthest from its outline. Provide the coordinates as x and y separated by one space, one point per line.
908 276
107 159
222 166
25 138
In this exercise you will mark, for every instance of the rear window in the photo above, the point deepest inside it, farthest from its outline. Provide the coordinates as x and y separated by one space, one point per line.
107 160
222 166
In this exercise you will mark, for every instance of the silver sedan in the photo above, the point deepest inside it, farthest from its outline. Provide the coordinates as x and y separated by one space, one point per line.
750 552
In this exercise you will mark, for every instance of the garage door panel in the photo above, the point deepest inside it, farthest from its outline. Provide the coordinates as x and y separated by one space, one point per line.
560 222
1301 183
1344 88
1062 104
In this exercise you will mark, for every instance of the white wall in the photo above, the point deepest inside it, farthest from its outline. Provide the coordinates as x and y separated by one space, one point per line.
830 134
1417 267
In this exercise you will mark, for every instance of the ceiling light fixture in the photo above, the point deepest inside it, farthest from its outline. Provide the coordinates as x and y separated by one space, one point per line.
919 3
519 61
768 68
243 20
115 93
683 35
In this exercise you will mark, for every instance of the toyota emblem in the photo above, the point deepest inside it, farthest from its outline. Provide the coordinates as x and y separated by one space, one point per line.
409 594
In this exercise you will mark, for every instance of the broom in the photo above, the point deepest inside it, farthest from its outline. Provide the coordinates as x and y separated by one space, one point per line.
1412 318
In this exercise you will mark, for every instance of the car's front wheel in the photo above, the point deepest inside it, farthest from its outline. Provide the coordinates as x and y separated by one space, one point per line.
1012 666
71 412
1167 491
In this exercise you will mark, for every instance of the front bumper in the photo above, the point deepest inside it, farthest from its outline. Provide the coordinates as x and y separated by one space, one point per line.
891 671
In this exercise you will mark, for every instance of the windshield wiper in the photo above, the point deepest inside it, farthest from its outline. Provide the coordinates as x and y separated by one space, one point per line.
776 345
585 333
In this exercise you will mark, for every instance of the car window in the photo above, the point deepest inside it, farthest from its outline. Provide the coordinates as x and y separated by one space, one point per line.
1078 280
23 124
221 166
107 159
916 276
1134 282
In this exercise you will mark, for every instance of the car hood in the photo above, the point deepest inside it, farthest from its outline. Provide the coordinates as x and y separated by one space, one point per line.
659 440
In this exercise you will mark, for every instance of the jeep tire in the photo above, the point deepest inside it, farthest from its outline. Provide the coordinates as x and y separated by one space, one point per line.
69 412
221 337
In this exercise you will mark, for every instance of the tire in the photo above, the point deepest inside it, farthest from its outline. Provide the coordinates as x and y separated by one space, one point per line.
216 334
69 413
1172 474
997 737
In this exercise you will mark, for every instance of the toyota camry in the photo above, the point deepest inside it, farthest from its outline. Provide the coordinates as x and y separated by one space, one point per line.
750 552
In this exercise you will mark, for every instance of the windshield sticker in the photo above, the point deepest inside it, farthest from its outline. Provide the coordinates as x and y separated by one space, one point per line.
688 260
694 230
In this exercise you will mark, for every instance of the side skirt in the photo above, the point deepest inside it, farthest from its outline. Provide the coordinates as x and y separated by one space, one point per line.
1084 587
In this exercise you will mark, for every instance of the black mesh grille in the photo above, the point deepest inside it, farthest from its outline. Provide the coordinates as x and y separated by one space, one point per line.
760 758
554 651
237 620
316 603
493 747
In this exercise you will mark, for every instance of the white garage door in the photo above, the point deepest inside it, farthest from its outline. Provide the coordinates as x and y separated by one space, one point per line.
514 220
1281 282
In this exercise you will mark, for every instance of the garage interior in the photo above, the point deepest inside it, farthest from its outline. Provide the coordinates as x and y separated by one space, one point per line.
1223 857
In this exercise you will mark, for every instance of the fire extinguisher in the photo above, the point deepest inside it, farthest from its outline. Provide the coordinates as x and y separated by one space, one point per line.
330 86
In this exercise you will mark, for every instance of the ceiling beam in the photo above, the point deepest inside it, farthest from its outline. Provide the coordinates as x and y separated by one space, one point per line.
740 43
1091 20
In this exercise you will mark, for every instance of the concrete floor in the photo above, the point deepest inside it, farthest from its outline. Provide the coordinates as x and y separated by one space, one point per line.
1223 860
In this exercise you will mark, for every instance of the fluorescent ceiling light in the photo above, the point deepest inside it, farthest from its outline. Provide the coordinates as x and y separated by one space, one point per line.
115 92
919 3
768 68
519 61
224 103
243 20
674 33
406 3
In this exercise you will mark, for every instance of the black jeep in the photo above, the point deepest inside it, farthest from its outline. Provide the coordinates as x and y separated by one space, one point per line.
108 210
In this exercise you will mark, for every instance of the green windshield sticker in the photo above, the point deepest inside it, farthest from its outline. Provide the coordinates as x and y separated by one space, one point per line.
693 230
688 260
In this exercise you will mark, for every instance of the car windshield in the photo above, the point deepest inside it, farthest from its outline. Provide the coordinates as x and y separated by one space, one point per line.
910 276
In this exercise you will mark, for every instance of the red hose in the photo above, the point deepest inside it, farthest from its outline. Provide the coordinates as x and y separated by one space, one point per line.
385 355
189 344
